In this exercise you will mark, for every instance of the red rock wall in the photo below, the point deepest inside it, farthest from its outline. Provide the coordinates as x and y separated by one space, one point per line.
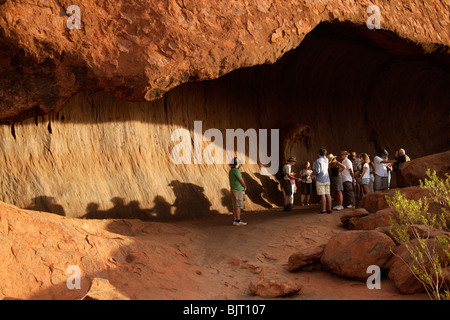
344 87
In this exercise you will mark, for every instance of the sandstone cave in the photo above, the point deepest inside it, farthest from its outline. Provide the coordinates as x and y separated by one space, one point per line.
345 87
88 116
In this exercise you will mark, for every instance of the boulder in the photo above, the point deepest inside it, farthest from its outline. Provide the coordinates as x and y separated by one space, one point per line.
376 201
161 46
386 230
350 253
446 276
372 221
355 213
415 230
410 173
401 264
425 231
305 257
273 288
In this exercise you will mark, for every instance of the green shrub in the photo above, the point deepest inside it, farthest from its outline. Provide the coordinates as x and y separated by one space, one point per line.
428 263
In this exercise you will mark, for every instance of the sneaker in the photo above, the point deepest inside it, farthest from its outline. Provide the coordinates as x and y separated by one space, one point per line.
336 207
339 208
350 206
240 223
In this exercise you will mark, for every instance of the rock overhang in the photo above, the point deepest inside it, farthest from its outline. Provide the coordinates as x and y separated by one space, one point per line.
139 51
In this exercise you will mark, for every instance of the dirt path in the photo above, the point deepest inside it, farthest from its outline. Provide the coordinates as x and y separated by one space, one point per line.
229 257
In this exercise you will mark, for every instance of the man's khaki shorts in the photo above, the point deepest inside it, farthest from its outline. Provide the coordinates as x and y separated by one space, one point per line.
237 198
322 188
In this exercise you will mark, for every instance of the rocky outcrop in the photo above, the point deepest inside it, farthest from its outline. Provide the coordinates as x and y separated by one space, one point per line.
88 119
102 157
141 50
46 256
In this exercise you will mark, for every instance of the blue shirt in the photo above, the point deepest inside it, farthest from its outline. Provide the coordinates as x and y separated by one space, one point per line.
321 170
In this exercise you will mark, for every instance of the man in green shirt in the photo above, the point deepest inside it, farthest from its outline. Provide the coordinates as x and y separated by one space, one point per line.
238 188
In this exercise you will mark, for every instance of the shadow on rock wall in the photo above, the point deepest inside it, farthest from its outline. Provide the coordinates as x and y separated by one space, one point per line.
190 202
46 204
255 191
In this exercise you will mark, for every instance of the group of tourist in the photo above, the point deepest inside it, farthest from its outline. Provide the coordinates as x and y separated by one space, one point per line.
346 176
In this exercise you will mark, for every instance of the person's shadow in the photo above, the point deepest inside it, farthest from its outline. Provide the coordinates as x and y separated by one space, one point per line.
226 200
118 211
255 191
46 204
190 200
160 211
271 189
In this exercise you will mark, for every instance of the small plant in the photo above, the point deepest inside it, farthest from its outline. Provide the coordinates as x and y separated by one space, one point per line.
412 229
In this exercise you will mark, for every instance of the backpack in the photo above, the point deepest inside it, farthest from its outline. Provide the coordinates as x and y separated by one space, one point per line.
280 174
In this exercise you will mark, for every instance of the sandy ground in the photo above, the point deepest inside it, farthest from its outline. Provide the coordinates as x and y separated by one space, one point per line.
229 257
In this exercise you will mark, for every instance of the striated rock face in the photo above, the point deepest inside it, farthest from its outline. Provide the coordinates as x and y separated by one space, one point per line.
88 119
140 50
91 145
102 157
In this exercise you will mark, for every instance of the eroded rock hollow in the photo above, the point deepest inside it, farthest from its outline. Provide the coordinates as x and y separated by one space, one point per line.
89 114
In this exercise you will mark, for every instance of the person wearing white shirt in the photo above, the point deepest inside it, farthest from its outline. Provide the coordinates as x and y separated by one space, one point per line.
347 179
380 163
322 180
364 178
